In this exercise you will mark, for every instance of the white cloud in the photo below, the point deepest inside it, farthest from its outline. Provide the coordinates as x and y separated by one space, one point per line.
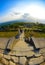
11 16
37 12
17 12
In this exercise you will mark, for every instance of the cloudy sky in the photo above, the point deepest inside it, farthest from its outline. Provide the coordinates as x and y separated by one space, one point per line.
18 9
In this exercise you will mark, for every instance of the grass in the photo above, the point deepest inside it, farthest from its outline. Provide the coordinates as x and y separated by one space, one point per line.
28 33
8 34
34 34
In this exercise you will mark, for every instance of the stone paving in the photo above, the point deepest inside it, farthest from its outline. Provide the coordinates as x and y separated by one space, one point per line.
22 54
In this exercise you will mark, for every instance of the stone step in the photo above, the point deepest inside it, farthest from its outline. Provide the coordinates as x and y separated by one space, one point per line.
38 60
1 55
7 57
11 63
42 63
20 53
1 64
14 59
22 60
4 61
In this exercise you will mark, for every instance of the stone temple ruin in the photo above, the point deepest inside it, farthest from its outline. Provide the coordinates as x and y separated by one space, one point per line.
23 53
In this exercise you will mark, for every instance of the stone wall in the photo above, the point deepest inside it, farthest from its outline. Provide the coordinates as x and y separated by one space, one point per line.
15 60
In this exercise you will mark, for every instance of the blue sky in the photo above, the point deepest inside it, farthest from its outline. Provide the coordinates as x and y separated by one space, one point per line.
5 5
8 9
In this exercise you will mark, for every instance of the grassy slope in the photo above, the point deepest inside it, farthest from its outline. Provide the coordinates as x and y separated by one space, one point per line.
8 34
34 34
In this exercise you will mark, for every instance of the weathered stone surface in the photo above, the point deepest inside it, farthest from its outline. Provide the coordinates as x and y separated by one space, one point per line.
7 57
42 50
37 54
39 42
1 55
15 59
23 53
38 60
1 51
42 63
11 63
1 64
22 60
11 43
4 61
30 53
3 42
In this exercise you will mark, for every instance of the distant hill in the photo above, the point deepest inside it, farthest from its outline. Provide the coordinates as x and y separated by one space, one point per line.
14 21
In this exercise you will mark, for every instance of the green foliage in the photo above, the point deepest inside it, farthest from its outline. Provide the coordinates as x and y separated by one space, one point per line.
35 29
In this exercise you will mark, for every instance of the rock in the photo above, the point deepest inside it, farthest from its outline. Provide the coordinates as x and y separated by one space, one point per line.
37 55
42 50
4 61
1 64
42 63
1 51
38 60
7 57
1 55
11 63
29 53
15 59
22 60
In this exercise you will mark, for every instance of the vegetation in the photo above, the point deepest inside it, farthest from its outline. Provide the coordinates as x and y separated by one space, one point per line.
31 29
37 30
8 34
34 34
